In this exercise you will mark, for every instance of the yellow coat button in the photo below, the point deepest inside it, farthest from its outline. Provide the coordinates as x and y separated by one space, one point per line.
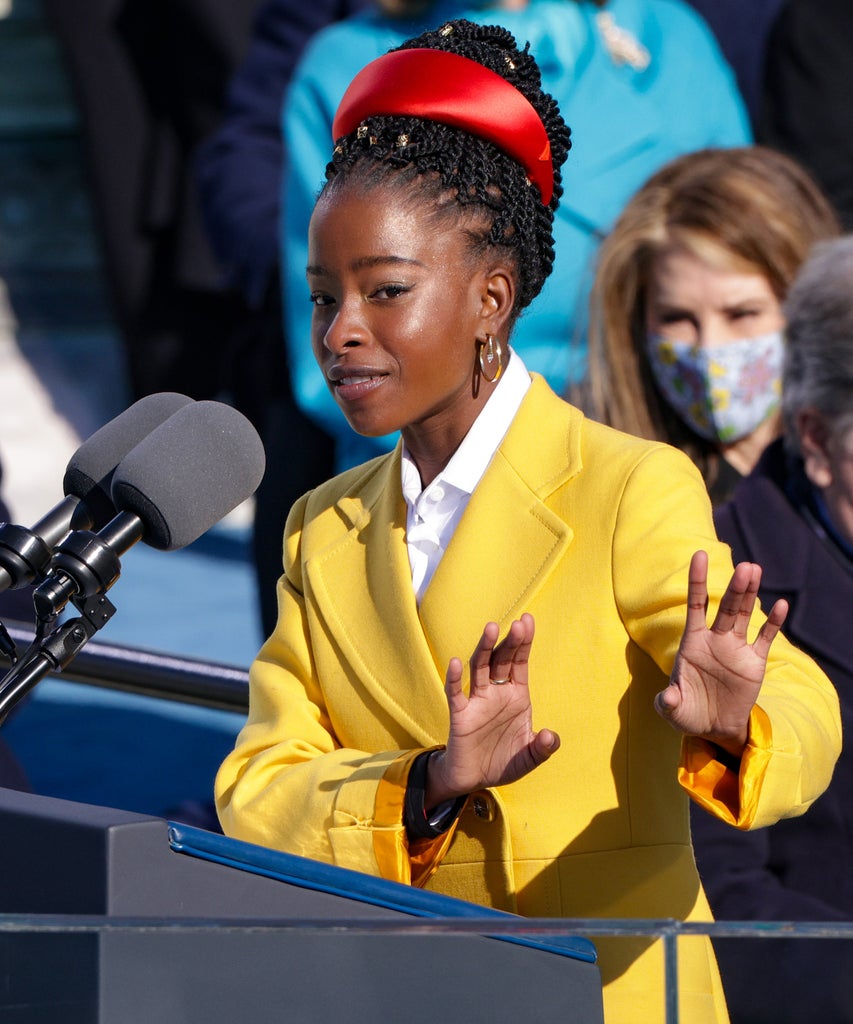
483 805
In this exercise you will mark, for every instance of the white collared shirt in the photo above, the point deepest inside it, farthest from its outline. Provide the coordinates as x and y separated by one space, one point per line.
433 512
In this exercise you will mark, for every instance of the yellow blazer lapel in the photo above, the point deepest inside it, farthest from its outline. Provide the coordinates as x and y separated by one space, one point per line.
508 540
381 638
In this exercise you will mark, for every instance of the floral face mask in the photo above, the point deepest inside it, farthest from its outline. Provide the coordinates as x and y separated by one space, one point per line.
724 392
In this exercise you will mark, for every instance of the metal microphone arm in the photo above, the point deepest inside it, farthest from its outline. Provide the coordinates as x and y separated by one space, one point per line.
83 567
56 651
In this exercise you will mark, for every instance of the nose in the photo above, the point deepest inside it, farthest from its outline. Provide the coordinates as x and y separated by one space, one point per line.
716 331
346 328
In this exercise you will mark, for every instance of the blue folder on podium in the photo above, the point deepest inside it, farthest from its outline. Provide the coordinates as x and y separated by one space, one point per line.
110 917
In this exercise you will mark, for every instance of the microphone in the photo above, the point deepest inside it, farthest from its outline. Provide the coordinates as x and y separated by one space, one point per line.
25 553
189 473
177 483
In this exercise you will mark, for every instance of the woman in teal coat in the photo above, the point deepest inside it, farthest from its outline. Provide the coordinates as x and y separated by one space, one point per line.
639 81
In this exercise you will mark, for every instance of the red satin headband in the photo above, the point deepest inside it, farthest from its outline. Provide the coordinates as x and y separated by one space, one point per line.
457 91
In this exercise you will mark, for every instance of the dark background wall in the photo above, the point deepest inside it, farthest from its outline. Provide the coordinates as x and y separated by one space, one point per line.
49 260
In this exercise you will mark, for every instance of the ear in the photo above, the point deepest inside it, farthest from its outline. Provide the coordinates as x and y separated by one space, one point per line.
497 299
814 444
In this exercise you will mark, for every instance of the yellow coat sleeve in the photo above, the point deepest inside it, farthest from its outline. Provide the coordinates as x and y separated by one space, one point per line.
289 785
795 727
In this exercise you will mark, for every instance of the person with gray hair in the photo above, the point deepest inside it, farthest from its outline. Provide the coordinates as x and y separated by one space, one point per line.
817 401
794 515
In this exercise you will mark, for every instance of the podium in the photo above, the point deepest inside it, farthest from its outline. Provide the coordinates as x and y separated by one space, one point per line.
118 918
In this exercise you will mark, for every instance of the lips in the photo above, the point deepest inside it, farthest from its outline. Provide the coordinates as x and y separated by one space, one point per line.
350 384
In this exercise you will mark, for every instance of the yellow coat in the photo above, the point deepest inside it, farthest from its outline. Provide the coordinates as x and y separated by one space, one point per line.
591 531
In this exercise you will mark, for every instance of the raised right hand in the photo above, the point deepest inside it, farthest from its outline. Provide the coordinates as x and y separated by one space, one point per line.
492 741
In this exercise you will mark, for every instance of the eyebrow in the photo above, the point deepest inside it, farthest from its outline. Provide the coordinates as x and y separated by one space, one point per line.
668 306
366 262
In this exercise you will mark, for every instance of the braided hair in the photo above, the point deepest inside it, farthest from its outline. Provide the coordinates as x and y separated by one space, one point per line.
453 168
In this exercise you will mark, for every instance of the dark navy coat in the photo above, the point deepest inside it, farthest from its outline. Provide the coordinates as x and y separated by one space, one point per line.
802 868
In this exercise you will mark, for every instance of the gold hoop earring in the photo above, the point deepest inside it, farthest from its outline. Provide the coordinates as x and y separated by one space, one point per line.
491 357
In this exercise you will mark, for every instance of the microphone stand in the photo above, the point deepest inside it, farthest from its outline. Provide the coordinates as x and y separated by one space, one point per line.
55 651
84 566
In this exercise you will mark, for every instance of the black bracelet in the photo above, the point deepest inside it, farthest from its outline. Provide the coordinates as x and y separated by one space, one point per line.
418 824
726 759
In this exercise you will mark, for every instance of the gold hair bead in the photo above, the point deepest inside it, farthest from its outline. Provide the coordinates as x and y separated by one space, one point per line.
338 150
361 131
402 140
446 30
510 63
372 140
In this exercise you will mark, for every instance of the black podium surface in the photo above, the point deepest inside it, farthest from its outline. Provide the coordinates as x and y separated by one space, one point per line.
131 919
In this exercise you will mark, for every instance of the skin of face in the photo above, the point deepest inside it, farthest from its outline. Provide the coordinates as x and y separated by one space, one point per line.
690 300
400 305
828 462
839 494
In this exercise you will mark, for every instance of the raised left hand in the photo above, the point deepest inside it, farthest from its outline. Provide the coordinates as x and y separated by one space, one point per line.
717 673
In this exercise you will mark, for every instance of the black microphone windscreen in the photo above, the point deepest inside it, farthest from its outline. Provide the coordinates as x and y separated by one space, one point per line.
88 475
189 473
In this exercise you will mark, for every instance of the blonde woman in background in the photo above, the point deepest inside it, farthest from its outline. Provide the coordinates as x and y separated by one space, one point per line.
686 313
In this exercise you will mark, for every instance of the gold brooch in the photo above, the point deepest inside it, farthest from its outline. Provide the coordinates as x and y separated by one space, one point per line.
622 45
